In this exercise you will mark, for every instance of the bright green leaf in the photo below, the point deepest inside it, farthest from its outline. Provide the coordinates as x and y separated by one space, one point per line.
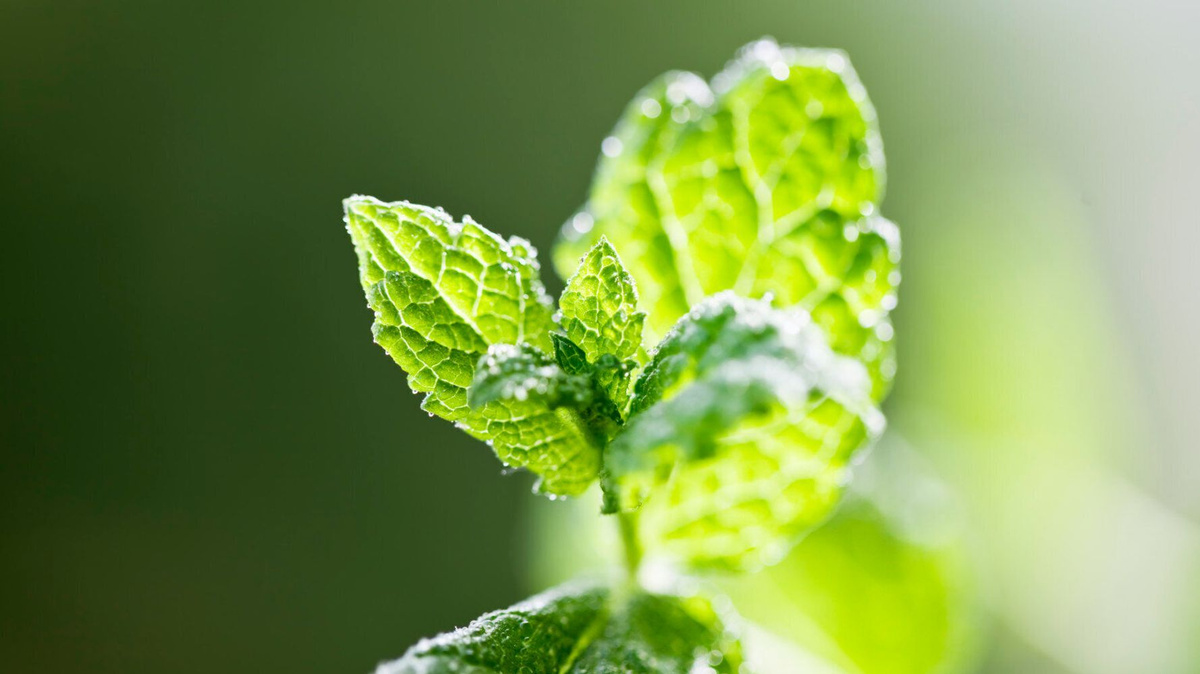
767 183
569 355
599 306
740 434
884 586
524 378
578 629
608 372
599 314
511 372
442 293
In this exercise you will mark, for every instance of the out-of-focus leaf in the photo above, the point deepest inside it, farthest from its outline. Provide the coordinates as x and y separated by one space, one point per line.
740 433
767 183
883 587
578 629
599 314
442 293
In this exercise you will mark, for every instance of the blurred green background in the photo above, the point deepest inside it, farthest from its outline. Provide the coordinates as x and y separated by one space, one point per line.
208 466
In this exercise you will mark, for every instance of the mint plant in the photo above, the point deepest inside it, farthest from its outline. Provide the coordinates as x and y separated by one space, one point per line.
714 364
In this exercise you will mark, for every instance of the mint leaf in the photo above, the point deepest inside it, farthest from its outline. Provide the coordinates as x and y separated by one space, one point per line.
528 383
512 372
569 355
599 306
860 595
599 314
656 634
578 629
883 587
740 434
767 183
443 292
540 634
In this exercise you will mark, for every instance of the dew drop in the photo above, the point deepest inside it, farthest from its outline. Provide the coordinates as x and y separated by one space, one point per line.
888 368
651 108
583 222
868 318
611 146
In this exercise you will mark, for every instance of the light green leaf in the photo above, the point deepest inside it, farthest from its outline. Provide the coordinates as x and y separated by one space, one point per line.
883 587
740 434
442 293
512 372
599 314
524 377
599 306
767 183
569 355
578 629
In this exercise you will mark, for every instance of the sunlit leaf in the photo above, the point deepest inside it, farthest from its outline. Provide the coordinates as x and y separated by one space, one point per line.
740 434
599 313
443 292
766 183
522 378
583 629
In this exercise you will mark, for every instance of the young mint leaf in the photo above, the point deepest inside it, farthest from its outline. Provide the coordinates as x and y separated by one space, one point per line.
740 433
767 183
512 372
525 380
569 355
442 293
599 314
599 306
578 629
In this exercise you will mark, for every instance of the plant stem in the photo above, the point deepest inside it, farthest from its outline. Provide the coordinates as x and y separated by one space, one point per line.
626 521
629 542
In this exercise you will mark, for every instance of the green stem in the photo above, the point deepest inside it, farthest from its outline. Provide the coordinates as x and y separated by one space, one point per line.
627 521
629 542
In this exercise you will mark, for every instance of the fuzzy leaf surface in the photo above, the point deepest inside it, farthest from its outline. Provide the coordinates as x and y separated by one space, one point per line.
740 433
512 372
766 182
578 629
442 293
524 376
599 314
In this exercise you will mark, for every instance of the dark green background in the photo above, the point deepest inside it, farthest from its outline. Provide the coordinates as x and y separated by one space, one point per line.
208 466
